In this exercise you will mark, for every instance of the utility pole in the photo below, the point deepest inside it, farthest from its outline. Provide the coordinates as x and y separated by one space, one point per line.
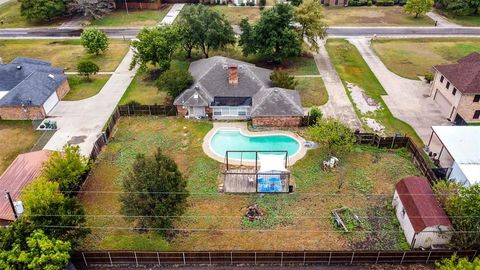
7 194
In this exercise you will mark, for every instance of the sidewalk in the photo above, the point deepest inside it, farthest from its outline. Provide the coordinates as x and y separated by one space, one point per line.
172 14
441 20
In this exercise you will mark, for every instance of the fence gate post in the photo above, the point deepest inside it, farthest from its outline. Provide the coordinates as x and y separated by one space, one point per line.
428 258
158 258
110 257
84 260
184 262
403 257
136 260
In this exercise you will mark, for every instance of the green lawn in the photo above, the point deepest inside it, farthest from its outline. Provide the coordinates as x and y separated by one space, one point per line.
16 137
63 53
312 91
373 16
80 88
236 14
142 90
365 170
462 20
11 18
132 19
411 58
352 68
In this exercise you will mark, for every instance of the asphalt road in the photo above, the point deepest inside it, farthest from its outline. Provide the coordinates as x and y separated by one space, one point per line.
332 32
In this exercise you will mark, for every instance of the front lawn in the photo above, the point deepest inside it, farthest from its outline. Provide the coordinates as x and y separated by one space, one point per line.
63 53
134 18
11 18
312 91
214 221
80 88
351 68
236 14
414 57
143 90
473 20
373 16
16 137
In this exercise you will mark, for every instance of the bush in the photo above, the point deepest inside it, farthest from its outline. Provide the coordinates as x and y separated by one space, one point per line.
94 40
282 79
87 68
174 81
42 10
429 77
315 115
332 134
385 3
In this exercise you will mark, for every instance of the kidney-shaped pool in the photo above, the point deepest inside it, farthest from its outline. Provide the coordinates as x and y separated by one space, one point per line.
234 140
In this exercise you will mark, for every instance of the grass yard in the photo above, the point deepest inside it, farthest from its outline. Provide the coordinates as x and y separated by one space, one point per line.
312 91
372 16
236 14
351 67
63 53
462 20
214 221
81 88
411 58
143 90
134 18
16 137
11 18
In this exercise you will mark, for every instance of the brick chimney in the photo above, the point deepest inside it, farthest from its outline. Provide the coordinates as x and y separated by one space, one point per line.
232 74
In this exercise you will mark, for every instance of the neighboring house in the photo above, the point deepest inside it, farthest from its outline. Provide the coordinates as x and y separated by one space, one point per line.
227 89
456 89
244 2
23 170
30 88
462 145
342 3
423 221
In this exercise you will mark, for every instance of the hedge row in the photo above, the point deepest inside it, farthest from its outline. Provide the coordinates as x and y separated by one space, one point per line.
377 2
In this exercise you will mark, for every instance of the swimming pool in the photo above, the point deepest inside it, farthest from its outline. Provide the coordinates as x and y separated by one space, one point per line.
233 139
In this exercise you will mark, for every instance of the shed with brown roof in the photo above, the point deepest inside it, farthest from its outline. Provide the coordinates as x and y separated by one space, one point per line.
23 170
421 217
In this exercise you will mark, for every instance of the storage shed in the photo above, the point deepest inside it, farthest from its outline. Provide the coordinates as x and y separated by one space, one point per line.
23 170
423 221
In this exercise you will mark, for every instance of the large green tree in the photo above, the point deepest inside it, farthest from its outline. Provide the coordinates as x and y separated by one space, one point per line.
456 263
94 41
332 134
67 168
42 10
204 28
155 46
174 81
310 17
418 7
274 36
95 9
47 208
155 192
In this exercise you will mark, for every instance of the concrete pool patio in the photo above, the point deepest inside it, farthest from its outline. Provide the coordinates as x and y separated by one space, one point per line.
242 126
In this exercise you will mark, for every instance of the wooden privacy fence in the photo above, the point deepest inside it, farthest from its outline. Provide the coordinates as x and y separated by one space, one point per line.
82 260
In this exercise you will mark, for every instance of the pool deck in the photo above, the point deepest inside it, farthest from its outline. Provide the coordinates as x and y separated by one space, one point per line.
242 126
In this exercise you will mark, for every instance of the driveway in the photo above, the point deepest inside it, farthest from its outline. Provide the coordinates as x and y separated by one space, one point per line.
406 98
441 20
338 105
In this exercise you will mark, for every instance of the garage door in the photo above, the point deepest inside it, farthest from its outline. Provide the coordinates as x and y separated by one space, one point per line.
442 101
50 103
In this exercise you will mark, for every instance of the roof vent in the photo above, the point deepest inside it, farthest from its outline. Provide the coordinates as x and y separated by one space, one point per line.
19 67
197 87
275 90
195 96
225 66
51 76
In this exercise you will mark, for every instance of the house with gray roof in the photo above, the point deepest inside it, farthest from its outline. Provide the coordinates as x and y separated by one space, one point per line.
228 89
30 88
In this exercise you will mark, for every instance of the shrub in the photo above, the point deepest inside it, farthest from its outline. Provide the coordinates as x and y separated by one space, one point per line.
315 115
42 10
282 79
94 40
429 77
87 68
174 81
332 134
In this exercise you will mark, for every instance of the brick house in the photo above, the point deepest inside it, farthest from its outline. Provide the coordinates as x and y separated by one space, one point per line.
30 89
227 89
456 89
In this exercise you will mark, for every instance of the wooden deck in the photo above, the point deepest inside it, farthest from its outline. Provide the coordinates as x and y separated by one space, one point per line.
240 181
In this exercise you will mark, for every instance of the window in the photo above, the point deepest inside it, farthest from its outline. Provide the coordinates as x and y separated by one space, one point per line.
476 115
442 78
448 85
242 113
454 91
217 112
476 98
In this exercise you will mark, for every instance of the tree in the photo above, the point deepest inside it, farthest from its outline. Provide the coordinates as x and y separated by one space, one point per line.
95 9
47 208
67 168
94 40
37 251
462 7
464 210
174 81
418 7
444 189
296 2
87 68
155 46
42 10
332 134
155 192
456 263
274 36
310 15
282 79
204 28
315 115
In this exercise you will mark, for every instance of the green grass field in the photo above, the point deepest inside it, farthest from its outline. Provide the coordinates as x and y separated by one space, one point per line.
80 88
134 18
236 14
411 58
312 91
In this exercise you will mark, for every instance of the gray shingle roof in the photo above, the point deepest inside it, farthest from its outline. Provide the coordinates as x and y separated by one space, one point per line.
464 75
28 82
277 102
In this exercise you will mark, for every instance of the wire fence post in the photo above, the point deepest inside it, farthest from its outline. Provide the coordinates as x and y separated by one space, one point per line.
149 110
231 258
353 255
281 259
210 258
110 257
84 260
403 257
184 262
158 258
428 258
304 257
329 258
255 258
378 256
136 260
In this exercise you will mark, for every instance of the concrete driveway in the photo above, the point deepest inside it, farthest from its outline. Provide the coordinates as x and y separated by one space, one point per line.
406 98
338 105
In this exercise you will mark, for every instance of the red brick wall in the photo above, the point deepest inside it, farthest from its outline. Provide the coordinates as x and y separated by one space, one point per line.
182 111
63 90
19 113
277 121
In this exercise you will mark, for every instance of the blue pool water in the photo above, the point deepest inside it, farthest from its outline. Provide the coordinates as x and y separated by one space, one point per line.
229 140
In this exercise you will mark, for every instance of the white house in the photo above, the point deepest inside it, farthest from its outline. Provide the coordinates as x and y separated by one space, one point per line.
423 221
458 147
